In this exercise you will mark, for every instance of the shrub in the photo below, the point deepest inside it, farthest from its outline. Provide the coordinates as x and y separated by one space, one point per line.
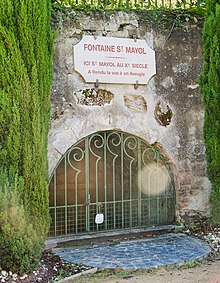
26 49
20 243
210 87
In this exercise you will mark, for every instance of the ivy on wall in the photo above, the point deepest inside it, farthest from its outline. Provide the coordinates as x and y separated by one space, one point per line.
26 47
210 86
126 4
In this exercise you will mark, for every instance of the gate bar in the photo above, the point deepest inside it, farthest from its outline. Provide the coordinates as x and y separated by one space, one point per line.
139 182
87 196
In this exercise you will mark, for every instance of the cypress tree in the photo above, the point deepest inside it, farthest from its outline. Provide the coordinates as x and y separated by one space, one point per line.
26 47
210 87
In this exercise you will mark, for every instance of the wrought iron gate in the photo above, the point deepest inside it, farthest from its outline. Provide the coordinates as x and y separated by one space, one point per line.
115 174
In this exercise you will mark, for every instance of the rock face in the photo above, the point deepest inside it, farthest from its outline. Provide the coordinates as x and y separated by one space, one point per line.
168 110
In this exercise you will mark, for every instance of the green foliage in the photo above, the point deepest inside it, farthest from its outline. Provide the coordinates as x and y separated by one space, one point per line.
26 48
187 264
178 229
26 74
210 86
159 16
20 243
126 4
191 264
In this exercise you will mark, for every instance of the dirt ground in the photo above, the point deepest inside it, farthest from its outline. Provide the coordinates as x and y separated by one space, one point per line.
205 272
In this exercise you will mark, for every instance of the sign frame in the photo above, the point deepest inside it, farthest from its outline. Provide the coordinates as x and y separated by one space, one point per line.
114 60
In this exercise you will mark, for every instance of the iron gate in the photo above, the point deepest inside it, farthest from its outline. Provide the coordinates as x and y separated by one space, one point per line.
114 174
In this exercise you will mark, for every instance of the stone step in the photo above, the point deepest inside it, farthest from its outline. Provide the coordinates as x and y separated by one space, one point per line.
112 236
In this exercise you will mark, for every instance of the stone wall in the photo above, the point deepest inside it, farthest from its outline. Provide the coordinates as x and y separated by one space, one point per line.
168 110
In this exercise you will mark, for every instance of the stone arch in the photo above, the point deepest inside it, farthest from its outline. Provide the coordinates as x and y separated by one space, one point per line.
61 140
116 175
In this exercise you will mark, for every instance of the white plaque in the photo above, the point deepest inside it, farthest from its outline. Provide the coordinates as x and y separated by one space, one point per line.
114 60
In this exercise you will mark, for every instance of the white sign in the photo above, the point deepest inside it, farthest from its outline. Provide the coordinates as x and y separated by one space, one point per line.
99 218
114 60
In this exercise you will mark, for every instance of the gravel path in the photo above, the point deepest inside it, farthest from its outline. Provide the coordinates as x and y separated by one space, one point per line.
203 273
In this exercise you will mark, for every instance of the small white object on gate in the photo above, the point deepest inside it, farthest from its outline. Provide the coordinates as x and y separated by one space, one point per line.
99 218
